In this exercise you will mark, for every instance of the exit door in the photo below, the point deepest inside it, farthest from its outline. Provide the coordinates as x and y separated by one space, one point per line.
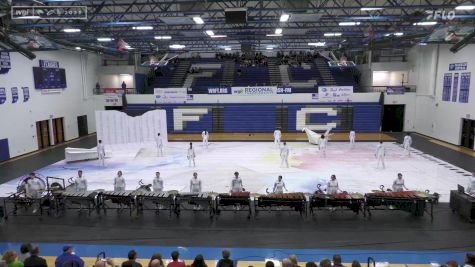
468 133
42 134
58 130
82 125
393 118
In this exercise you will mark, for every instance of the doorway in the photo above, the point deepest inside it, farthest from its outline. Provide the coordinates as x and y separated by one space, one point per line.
42 134
468 133
58 131
393 118
82 125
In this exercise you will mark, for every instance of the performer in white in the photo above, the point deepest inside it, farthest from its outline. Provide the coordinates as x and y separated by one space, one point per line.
332 186
34 186
322 145
236 183
81 183
284 155
101 153
205 137
159 143
398 184
352 138
195 184
471 185
119 182
407 143
157 183
279 186
191 155
380 154
277 136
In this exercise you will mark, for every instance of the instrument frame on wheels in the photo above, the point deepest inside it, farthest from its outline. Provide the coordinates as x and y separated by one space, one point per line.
163 201
280 202
199 201
236 200
351 202
123 200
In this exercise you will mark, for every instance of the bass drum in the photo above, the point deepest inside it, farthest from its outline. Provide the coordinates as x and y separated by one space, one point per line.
21 187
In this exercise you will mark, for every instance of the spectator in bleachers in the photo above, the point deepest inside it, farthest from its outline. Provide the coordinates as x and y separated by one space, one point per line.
11 260
355 264
199 261
175 262
469 260
325 263
337 261
156 261
34 260
132 255
286 263
269 264
68 258
293 259
108 262
24 251
226 261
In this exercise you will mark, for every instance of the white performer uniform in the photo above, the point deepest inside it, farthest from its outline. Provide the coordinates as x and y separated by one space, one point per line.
195 185
81 184
157 184
101 153
352 138
191 156
332 187
322 145
204 137
471 186
398 185
407 144
380 154
236 185
119 184
33 188
277 136
279 187
284 156
159 143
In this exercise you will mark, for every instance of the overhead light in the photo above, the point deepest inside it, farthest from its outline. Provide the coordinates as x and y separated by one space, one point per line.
124 74
422 43
371 8
394 34
29 17
209 32
349 23
164 37
278 31
468 7
317 44
142 28
104 39
274 35
198 20
71 30
269 48
332 34
227 48
128 47
177 46
425 23
218 36
284 17
78 48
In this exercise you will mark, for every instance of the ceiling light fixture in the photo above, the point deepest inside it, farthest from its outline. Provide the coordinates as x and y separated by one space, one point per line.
278 31
425 23
273 35
332 34
198 20
284 17
371 8
164 37
177 46
71 30
317 44
209 32
227 48
218 36
143 28
349 23
462 7
104 39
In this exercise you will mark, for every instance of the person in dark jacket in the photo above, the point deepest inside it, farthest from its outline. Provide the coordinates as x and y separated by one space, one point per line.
34 260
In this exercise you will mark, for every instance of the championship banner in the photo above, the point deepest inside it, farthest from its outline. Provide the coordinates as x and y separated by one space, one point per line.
26 94
170 95
254 91
14 94
335 93
5 63
3 95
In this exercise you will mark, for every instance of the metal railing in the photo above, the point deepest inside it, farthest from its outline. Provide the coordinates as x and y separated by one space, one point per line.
127 91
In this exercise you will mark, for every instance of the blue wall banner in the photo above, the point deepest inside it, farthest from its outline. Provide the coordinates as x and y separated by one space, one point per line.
447 86
464 87
284 90
5 62
14 94
458 66
219 90
26 94
455 87
3 95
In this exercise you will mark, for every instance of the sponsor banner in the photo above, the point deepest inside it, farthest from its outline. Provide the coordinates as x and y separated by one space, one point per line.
395 90
458 66
254 91
26 94
170 95
3 95
189 97
314 96
335 93
51 91
14 94
49 12
49 64
219 90
284 90
112 99
5 63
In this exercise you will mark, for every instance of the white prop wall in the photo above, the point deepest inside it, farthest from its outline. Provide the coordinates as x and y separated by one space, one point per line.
115 127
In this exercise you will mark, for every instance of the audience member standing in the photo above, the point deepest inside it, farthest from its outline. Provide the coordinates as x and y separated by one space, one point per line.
34 260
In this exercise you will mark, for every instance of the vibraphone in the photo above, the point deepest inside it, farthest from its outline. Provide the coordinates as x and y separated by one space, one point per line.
344 200
70 199
413 202
118 200
155 201
195 202
236 202
18 204
281 202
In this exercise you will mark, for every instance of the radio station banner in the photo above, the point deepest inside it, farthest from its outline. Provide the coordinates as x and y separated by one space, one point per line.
170 95
26 94
335 93
49 12
254 91
113 100
3 95
395 90
5 62
284 90
14 94
219 90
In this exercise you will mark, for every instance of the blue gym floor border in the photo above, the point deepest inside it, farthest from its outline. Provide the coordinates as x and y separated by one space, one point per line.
252 254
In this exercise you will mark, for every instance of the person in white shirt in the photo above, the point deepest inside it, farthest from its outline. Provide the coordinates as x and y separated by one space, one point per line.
322 145
33 187
191 156
352 138
284 155
407 143
277 136
205 137
119 182
279 186
380 154
471 185
81 183
332 186
195 184
398 184
236 183
101 153
159 143
157 183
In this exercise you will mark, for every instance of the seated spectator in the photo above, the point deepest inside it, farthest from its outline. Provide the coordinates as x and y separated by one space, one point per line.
225 261
355 264
34 260
68 259
11 260
132 255
337 261
156 261
325 263
293 260
469 260
24 252
269 264
175 263
199 261
310 264
105 263
452 263
286 263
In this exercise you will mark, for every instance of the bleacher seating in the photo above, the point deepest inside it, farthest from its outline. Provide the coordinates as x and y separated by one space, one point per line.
251 76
